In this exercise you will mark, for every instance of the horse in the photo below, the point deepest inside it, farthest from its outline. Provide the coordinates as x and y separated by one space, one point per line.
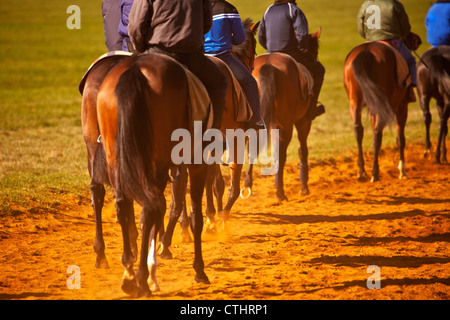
433 81
89 87
284 104
140 103
214 185
244 52
371 78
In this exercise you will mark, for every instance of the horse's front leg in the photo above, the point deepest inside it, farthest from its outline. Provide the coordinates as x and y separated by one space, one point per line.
444 114
248 182
209 190
233 191
177 205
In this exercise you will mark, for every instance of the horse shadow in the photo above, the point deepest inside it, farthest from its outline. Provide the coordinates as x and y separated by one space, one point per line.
280 219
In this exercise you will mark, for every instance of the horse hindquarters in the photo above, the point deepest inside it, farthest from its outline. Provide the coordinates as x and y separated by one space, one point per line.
365 70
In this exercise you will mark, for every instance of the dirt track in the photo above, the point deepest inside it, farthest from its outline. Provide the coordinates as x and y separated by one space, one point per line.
310 247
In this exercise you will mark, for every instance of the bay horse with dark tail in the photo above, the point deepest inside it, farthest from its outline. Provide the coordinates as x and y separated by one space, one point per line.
141 102
214 185
433 81
285 100
371 79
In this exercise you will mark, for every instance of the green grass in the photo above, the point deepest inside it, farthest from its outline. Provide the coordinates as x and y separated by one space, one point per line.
42 153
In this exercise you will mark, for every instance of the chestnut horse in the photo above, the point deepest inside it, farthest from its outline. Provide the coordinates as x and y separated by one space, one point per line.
141 102
433 81
370 78
284 104
89 87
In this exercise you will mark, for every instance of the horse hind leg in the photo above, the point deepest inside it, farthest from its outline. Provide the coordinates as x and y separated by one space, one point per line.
444 114
303 129
233 192
425 106
129 285
97 199
377 141
197 175
401 117
209 190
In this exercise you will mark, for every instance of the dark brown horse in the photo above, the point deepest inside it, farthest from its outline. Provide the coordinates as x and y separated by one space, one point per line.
433 81
370 78
89 87
141 102
284 104
214 186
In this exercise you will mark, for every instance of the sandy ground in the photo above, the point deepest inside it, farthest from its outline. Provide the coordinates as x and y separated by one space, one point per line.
310 247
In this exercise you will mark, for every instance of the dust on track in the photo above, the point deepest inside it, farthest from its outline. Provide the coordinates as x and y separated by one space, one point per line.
310 247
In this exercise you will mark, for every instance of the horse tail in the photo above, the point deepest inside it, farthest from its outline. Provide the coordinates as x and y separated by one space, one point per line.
134 143
439 71
376 99
268 87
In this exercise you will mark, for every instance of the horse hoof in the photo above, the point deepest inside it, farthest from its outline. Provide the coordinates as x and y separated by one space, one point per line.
224 215
304 191
245 193
129 286
145 292
363 177
426 153
185 236
282 197
165 253
403 176
374 179
102 263
154 286
202 278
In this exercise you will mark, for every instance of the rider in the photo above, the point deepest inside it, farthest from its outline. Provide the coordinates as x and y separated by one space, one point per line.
282 29
125 7
437 23
227 30
176 28
392 27
111 18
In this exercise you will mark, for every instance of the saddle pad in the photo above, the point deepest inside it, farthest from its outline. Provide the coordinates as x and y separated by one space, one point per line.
403 74
103 56
242 110
199 101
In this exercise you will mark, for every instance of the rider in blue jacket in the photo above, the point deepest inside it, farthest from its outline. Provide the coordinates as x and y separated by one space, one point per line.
437 23
226 31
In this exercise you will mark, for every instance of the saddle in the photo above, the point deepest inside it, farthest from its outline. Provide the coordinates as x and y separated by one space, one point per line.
103 56
199 101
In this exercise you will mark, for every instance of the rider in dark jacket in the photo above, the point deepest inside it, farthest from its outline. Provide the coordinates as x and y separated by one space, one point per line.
177 27
282 29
